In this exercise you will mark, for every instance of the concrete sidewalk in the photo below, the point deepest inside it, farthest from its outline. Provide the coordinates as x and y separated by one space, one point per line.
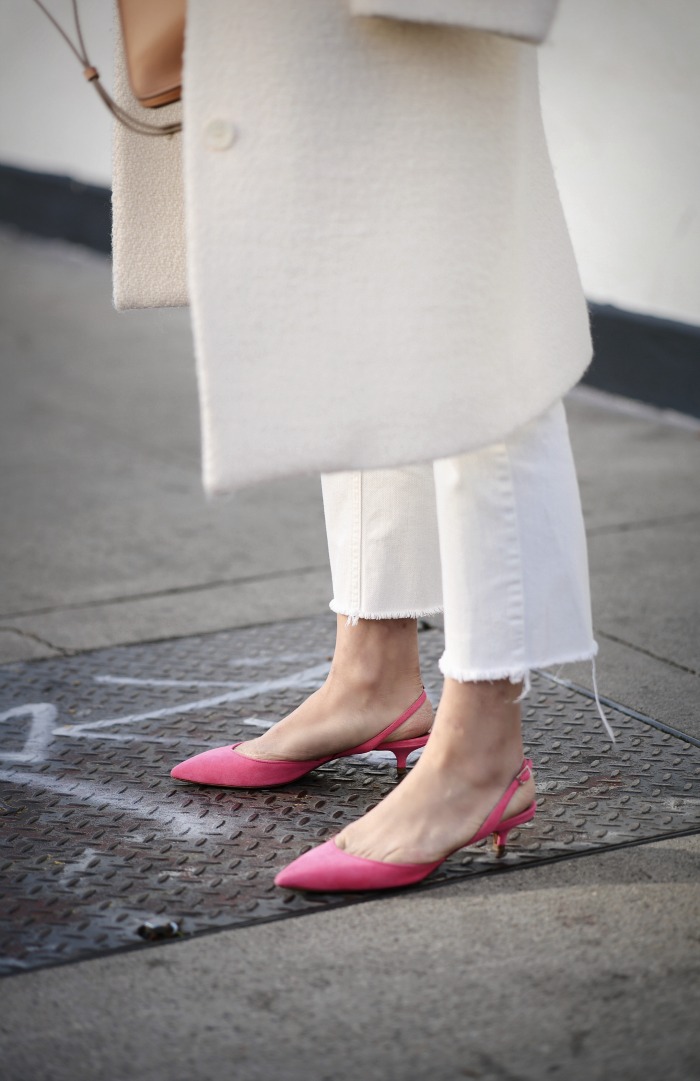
587 969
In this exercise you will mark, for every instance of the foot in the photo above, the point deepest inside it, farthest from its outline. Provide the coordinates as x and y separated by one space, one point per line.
374 678
473 754
328 723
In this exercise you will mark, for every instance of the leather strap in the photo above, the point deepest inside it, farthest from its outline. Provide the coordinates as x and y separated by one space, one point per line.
494 819
141 127
370 744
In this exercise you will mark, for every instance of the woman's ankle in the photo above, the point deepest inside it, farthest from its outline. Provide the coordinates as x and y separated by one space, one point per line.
376 658
478 732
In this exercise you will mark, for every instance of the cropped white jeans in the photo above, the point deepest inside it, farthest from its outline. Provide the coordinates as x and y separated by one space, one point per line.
493 538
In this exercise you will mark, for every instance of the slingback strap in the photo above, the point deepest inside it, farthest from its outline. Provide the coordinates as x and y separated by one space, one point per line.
495 818
370 744
141 127
525 772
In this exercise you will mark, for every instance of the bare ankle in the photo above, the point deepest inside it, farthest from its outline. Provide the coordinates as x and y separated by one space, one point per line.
376 656
478 729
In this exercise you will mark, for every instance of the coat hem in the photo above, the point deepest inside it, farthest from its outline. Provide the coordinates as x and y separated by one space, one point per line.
528 21
220 480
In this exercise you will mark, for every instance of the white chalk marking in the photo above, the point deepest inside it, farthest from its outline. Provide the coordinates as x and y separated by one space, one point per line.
129 681
144 737
43 715
133 801
307 677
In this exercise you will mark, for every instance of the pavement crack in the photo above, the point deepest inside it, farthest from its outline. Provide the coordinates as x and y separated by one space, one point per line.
172 591
644 523
31 637
649 653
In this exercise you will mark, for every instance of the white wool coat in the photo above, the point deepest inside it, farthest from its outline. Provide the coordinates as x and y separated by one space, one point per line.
362 214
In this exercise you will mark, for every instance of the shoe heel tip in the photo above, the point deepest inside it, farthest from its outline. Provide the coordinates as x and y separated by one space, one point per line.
401 765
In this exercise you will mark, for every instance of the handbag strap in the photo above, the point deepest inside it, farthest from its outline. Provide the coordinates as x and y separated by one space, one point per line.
141 127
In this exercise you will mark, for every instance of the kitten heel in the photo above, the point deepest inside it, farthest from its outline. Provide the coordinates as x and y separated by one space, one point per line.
500 839
401 760
500 835
401 749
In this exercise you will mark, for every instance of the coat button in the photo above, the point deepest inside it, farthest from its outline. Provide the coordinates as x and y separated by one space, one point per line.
219 134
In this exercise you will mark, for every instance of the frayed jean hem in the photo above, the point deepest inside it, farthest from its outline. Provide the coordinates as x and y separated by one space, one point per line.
516 673
354 617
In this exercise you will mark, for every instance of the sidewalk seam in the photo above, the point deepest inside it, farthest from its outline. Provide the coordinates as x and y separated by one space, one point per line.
173 591
648 653
36 638
649 523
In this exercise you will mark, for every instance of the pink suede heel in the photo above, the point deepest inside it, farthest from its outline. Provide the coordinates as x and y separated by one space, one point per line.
223 766
401 749
329 869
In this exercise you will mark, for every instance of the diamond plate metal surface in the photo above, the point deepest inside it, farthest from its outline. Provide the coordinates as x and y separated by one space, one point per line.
98 840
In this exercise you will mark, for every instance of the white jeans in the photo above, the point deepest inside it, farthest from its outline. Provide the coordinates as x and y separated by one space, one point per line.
493 538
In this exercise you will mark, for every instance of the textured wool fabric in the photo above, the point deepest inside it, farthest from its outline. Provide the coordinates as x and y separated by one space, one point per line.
378 264
149 264
529 20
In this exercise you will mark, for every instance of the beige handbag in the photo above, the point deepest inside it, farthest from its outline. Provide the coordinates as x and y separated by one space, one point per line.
154 36
153 32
